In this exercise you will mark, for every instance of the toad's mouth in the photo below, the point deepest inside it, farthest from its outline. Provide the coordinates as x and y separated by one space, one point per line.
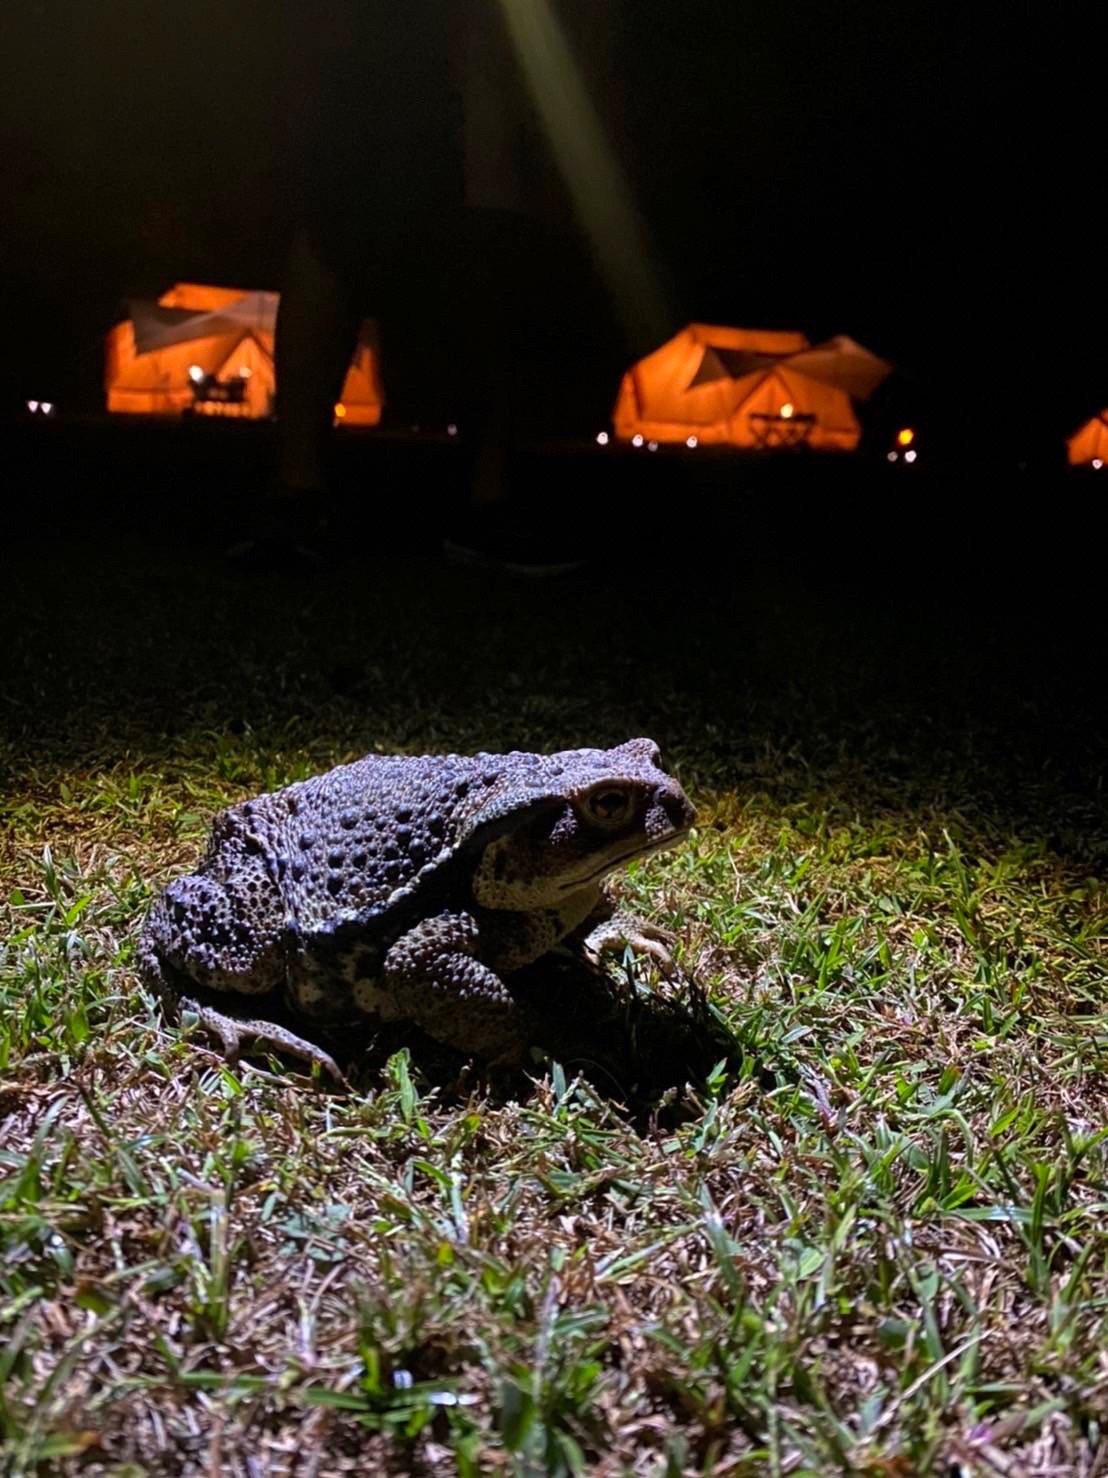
671 838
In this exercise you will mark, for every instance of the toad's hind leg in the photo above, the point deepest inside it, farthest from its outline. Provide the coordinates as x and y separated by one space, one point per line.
201 932
236 1034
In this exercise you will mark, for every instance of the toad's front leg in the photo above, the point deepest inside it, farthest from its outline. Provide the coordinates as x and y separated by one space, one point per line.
432 976
612 933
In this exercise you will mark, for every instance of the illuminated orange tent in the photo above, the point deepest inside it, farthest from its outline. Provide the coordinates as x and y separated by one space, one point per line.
1089 443
197 334
749 388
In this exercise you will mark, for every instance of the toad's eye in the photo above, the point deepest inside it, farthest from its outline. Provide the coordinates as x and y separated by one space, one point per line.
609 806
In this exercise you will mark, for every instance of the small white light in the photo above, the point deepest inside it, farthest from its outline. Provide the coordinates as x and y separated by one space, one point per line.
909 456
692 441
32 406
245 372
787 411
452 430
1097 463
47 407
652 446
893 456
602 438
196 374
637 439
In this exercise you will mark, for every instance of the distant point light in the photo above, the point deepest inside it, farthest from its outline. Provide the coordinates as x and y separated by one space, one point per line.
692 442
1097 463
245 372
340 411
788 410
637 439
452 429
602 438
894 457
46 407
32 406
905 437
909 456
196 374
652 446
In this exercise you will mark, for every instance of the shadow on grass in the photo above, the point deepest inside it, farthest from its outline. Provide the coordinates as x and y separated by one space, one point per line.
638 1048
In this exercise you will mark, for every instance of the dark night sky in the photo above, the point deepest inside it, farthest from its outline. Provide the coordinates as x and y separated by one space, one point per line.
899 171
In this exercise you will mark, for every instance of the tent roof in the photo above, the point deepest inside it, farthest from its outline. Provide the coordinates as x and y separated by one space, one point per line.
1090 441
158 326
732 364
756 340
199 297
840 362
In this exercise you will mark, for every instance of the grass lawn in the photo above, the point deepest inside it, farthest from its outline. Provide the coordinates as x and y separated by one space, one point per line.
855 1220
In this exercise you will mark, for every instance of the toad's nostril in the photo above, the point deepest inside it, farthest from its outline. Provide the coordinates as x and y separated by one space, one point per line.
678 808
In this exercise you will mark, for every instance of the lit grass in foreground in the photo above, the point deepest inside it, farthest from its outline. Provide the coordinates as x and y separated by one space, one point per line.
871 1239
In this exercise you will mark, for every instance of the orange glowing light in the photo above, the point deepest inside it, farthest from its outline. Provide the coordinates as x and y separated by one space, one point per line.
787 411
340 411
905 437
